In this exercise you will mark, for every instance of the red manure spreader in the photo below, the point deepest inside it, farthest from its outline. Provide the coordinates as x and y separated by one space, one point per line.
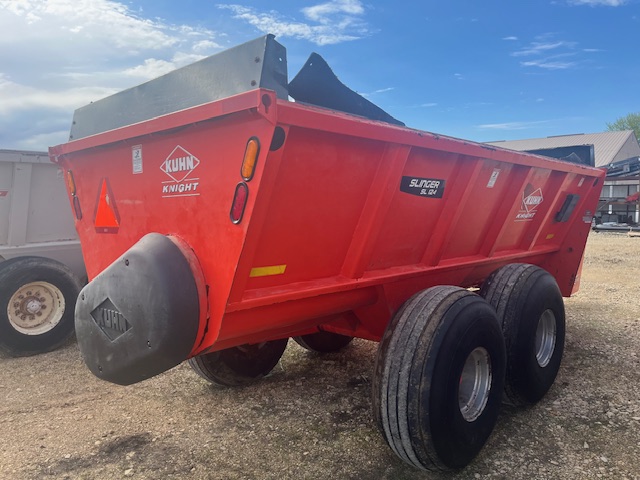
223 210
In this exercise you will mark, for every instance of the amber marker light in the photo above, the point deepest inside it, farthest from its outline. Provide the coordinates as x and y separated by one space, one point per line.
71 183
250 159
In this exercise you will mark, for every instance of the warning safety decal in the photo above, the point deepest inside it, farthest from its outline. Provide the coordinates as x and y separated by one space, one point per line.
422 187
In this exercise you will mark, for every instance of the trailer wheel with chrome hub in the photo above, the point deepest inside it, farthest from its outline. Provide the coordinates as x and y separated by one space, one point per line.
37 302
531 310
242 365
438 379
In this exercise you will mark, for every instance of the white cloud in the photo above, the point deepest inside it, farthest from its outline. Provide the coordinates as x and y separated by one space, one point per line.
336 21
151 68
536 48
510 38
205 46
375 92
15 97
80 21
549 64
547 53
598 3
428 105
512 125
58 55
324 12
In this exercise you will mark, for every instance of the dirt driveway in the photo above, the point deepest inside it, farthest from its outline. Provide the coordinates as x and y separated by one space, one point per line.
311 418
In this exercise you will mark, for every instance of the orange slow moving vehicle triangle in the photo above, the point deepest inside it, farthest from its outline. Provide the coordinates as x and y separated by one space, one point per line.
107 219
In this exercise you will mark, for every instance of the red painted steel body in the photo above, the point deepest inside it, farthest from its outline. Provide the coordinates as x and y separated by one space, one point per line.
327 237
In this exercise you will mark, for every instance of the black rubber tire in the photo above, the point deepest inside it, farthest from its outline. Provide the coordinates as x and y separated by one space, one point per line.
418 373
237 366
520 294
323 342
19 272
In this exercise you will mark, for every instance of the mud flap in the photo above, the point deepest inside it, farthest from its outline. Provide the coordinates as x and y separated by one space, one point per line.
140 316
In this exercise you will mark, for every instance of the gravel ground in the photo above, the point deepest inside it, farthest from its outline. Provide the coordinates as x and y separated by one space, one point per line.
311 418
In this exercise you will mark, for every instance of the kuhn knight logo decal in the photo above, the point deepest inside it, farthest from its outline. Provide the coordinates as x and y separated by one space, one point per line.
179 167
531 199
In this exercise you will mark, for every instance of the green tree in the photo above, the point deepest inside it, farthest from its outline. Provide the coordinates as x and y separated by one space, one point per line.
628 122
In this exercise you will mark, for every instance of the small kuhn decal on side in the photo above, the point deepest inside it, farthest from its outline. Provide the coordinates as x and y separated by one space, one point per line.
422 187
179 167
110 320
531 199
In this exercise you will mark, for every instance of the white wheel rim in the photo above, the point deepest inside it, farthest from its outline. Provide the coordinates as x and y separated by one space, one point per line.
36 308
545 338
475 384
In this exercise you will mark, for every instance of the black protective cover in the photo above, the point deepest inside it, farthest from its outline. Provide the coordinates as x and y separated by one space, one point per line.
580 154
316 84
140 316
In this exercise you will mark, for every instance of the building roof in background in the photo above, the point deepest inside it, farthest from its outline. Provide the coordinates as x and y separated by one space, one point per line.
606 144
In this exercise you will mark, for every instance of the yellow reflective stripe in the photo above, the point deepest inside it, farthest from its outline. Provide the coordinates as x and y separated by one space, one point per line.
266 271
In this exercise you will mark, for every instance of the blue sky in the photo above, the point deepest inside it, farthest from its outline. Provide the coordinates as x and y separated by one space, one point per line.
481 70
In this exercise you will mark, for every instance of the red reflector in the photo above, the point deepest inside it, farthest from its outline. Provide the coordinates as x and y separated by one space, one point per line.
239 202
76 207
107 219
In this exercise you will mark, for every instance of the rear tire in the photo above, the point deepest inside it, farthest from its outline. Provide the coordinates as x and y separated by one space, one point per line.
323 342
439 376
531 310
241 365
37 304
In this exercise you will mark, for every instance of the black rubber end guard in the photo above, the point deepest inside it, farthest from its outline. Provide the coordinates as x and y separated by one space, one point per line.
139 317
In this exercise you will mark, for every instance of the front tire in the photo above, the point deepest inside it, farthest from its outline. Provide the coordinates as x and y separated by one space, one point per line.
237 366
439 376
37 304
531 310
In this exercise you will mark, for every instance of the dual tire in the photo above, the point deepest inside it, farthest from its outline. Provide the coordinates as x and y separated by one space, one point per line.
449 357
446 362
246 364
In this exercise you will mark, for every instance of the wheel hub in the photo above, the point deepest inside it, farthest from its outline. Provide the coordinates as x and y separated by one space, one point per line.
545 338
35 308
475 384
